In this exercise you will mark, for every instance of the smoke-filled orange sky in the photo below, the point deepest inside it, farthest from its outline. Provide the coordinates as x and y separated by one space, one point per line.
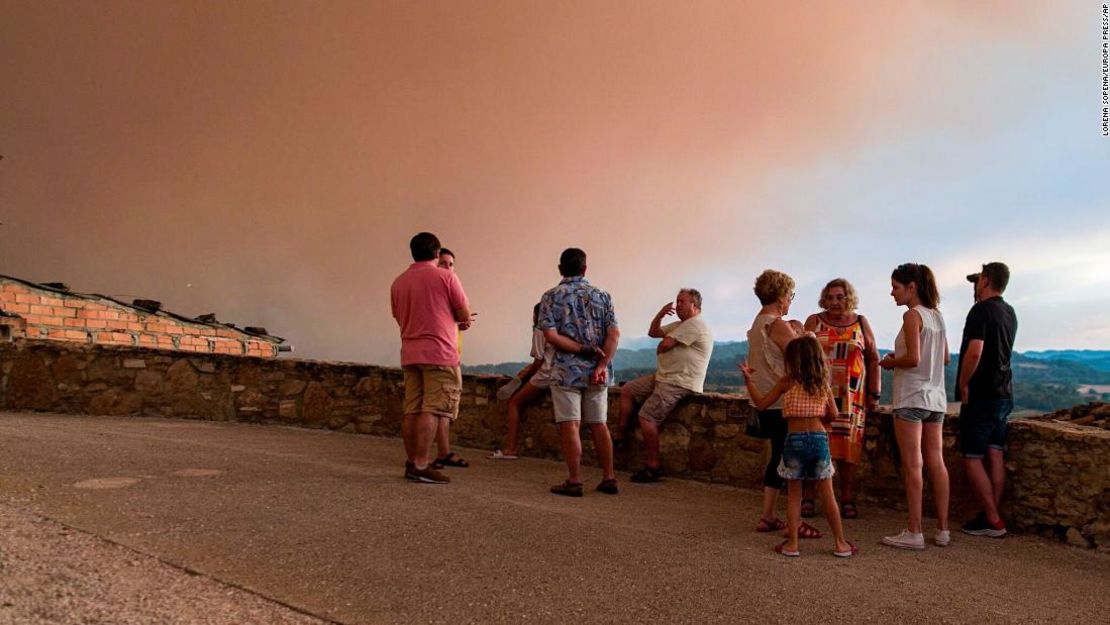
269 161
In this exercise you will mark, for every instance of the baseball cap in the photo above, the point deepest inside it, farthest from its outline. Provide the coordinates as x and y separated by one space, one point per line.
998 274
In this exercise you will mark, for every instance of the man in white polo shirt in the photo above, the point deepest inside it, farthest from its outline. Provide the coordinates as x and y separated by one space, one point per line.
683 358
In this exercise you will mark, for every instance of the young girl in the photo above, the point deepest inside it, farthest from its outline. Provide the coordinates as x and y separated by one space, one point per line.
807 400
920 355
526 386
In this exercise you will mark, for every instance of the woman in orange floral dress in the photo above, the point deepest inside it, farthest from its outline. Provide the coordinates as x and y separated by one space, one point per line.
853 362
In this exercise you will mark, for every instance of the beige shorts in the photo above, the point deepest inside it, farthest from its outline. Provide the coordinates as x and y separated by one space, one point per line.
432 388
589 405
658 398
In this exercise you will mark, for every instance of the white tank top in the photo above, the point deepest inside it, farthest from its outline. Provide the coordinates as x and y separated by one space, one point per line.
923 386
765 357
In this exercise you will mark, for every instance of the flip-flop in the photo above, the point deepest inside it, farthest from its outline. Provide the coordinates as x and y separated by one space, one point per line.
781 550
500 455
451 460
853 550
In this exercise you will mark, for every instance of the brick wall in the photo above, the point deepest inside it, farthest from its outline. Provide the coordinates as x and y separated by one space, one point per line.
37 312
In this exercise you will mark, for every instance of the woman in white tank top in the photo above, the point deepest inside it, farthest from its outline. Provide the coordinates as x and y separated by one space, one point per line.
920 355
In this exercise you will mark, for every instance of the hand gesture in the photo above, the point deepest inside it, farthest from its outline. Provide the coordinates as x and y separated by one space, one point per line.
746 370
600 376
666 310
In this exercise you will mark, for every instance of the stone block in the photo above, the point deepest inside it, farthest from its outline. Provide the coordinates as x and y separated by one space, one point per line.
149 382
292 387
134 363
30 386
287 409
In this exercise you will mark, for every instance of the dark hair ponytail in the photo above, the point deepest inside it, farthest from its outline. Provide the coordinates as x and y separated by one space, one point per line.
922 276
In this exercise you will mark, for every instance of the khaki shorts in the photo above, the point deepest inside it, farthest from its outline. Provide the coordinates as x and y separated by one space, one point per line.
432 388
658 398
590 404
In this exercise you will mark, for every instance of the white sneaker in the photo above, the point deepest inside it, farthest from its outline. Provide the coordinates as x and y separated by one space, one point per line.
905 540
942 538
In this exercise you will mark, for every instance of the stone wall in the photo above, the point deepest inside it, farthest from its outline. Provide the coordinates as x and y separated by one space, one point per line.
703 440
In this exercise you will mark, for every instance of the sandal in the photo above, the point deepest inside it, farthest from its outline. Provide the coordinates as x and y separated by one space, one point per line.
451 460
805 530
773 525
808 509
781 549
852 550
848 510
500 455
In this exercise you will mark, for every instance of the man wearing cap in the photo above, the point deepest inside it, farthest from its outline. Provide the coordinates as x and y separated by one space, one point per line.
985 388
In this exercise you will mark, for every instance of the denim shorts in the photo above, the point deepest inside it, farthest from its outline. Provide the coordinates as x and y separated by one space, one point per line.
805 456
919 415
983 426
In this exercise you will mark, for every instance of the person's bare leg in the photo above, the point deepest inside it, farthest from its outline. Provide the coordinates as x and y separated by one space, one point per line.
627 405
516 407
847 471
572 449
932 452
793 513
770 495
997 470
422 433
908 435
603 444
407 424
981 485
651 443
832 513
443 437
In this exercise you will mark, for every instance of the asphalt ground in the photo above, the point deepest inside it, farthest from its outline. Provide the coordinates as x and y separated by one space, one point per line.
137 520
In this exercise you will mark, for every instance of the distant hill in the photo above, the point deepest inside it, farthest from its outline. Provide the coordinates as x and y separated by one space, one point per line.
1043 381
1094 359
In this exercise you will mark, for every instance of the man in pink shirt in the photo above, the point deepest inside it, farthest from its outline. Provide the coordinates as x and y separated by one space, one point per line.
428 303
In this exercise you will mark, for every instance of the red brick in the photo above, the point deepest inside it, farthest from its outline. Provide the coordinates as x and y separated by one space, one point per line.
128 317
75 303
94 306
34 333
206 332
108 314
62 311
147 339
18 308
135 326
56 334
74 323
27 298
52 301
77 335
174 330
43 320
96 323
154 327
227 334
11 287
39 309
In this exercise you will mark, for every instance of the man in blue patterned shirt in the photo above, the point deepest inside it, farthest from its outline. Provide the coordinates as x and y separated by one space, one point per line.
577 319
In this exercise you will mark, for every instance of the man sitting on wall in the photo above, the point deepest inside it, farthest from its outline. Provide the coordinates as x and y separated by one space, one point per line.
683 358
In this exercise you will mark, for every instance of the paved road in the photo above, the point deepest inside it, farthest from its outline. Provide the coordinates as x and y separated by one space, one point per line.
273 524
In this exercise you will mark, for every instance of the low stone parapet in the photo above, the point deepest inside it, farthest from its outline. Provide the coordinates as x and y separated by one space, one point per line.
1055 474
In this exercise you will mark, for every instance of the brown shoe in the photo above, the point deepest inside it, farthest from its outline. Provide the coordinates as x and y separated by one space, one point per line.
609 487
568 489
429 476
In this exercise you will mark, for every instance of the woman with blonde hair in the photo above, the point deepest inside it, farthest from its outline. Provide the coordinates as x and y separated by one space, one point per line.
853 359
767 340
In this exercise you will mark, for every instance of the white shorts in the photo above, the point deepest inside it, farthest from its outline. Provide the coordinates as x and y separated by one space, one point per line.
589 405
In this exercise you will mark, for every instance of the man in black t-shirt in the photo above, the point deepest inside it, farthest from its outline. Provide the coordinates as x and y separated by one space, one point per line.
985 388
